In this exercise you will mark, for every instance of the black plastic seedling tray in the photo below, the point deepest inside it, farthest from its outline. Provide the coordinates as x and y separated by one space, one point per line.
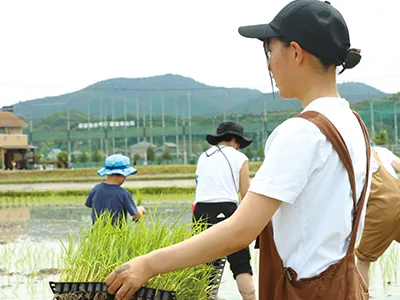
92 290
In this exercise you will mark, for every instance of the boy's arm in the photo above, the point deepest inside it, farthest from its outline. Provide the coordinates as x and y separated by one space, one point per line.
89 201
135 211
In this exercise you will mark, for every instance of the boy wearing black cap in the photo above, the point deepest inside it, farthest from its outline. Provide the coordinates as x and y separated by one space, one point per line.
312 184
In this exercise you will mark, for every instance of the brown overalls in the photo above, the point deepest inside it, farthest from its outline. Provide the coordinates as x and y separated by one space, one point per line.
341 281
382 219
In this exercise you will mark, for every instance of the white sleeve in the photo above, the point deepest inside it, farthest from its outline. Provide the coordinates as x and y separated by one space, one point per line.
242 158
390 155
290 158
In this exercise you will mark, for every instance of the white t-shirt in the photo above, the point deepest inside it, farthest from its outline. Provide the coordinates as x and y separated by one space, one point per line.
387 157
313 225
214 176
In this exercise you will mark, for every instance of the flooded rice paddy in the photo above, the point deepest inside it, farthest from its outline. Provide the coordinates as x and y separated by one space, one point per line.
30 252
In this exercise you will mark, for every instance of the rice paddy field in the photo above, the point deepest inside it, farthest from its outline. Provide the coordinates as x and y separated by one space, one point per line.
45 237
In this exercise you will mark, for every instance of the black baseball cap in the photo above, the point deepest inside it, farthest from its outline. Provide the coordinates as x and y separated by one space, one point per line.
315 25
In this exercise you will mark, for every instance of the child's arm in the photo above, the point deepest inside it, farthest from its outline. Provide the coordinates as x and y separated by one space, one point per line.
135 211
89 201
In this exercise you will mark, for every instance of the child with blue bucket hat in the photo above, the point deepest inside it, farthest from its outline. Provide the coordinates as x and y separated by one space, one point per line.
110 196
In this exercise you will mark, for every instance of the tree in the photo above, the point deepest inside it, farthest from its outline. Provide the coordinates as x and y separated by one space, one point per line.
136 157
249 153
97 156
62 159
74 159
150 153
260 152
84 157
381 138
167 155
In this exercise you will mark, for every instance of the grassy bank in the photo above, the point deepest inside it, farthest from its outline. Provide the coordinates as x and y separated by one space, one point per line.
159 172
72 197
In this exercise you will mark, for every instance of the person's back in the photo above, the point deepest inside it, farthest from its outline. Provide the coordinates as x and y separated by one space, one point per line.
111 198
218 170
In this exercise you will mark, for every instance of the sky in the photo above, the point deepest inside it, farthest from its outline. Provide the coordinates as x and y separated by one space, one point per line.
53 47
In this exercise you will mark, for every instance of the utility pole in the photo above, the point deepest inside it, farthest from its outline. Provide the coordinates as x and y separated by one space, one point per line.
395 120
162 116
151 117
105 127
102 124
68 136
190 125
126 136
30 125
265 118
113 123
176 128
138 123
184 134
89 140
372 119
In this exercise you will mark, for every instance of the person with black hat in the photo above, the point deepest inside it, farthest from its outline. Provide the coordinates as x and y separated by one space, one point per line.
223 171
312 184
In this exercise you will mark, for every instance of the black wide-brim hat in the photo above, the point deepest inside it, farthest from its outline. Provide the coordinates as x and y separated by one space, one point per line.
226 128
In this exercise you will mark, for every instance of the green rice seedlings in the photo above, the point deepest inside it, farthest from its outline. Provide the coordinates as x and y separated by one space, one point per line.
104 246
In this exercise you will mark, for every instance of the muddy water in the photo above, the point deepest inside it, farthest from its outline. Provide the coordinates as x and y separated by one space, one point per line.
29 257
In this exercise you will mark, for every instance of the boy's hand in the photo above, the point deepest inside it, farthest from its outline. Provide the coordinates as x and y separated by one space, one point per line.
141 210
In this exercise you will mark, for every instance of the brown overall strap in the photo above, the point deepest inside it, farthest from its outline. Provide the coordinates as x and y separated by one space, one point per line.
338 143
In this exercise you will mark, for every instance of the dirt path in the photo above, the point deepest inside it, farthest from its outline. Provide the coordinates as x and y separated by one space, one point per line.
89 185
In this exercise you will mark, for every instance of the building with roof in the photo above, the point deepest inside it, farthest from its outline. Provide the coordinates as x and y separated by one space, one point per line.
15 151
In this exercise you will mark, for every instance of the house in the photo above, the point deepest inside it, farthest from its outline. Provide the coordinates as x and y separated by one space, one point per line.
14 145
141 148
53 153
170 148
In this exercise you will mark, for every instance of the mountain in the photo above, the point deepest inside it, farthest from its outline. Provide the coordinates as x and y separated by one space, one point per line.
109 96
352 91
204 99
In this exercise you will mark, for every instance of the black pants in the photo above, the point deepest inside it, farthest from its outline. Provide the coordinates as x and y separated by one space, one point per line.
212 213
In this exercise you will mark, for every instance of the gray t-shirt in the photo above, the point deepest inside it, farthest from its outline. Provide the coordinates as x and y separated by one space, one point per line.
112 198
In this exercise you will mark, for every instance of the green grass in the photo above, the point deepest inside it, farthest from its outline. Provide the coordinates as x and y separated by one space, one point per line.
160 172
79 199
104 247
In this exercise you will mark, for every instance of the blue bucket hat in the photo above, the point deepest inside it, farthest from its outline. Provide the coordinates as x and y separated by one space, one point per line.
117 164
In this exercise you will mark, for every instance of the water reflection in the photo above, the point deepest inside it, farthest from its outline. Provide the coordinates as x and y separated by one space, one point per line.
49 223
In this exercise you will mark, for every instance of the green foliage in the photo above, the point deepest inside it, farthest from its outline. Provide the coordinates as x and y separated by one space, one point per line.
97 156
136 157
104 247
1 164
167 156
150 153
62 159
381 138
84 157
249 153
74 159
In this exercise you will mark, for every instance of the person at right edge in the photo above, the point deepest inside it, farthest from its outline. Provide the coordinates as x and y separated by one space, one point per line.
382 220
313 182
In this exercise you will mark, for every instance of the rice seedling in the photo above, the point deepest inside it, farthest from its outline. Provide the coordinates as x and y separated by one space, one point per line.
104 246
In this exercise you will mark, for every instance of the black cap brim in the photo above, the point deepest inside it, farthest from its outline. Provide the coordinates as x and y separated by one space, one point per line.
214 139
261 31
